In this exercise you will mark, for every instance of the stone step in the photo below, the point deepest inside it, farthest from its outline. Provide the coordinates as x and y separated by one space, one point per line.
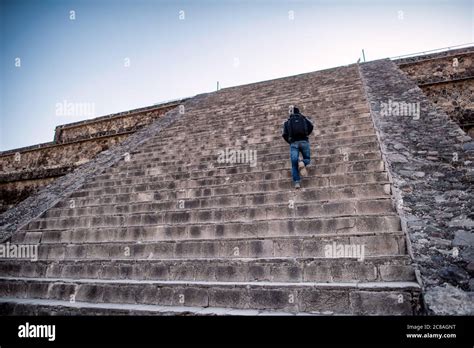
252 112
78 245
279 210
262 121
30 307
245 168
210 159
210 162
265 181
288 208
277 142
254 183
370 269
281 147
363 147
271 132
327 119
341 298
259 143
267 96
259 100
191 199
323 116
244 183
261 124
184 230
354 145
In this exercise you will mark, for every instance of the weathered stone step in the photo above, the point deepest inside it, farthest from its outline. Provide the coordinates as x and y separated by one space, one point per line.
305 91
256 109
362 147
30 307
282 147
69 245
329 270
352 145
235 174
278 97
265 228
317 133
323 126
170 163
107 180
275 139
316 188
192 199
240 112
216 187
258 143
153 183
214 110
323 116
264 128
375 202
341 298
267 181
205 162
272 132
304 85
271 120
268 96
217 215
283 166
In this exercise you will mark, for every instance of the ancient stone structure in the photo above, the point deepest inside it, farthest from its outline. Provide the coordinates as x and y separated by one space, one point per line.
383 224
23 171
431 169
447 79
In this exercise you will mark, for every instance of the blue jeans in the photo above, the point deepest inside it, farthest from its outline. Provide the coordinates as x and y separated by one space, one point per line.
295 149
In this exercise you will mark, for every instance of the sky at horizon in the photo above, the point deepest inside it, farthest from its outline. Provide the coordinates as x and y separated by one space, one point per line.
115 55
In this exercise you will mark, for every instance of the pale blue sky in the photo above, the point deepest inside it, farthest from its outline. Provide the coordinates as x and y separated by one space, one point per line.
233 42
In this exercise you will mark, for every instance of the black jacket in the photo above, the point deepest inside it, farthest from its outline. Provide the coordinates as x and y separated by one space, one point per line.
286 133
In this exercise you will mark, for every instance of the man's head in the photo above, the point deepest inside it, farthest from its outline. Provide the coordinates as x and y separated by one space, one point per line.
296 110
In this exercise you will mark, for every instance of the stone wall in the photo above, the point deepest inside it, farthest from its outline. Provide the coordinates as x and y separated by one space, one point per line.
456 99
447 78
430 163
25 170
120 123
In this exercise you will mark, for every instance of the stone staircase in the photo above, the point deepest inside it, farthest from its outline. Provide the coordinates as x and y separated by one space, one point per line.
170 230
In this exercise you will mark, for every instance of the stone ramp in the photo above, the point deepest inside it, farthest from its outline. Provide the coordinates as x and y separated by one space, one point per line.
170 226
430 160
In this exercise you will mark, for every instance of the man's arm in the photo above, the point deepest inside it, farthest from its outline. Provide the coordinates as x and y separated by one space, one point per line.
285 134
